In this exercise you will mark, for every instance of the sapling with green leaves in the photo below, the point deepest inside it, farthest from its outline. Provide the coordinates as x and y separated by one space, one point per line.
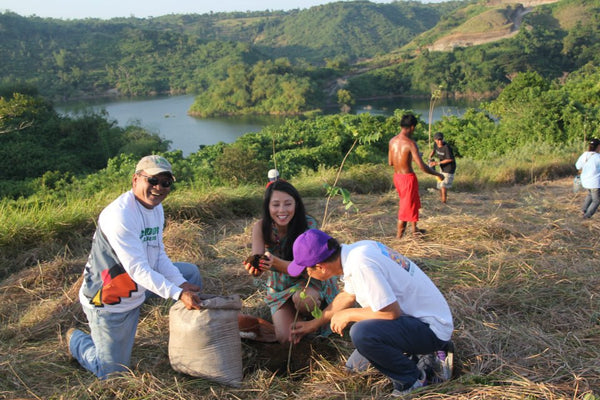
316 313
436 94
363 134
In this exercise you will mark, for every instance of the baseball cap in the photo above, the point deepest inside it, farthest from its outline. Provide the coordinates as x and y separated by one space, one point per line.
310 248
273 175
438 135
154 165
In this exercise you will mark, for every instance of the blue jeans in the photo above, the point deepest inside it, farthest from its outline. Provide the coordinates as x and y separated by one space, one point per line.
388 345
591 203
108 348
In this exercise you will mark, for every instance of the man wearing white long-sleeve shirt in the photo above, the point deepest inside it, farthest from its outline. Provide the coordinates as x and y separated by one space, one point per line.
126 265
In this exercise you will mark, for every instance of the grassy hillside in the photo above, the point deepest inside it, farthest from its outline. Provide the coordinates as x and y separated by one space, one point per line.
571 13
350 30
476 23
516 264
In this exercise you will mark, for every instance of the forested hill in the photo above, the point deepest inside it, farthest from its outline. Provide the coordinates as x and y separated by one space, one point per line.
285 62
352 29
162 54
477 49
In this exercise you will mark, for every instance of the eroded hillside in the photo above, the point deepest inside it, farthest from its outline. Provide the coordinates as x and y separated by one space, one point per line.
501 22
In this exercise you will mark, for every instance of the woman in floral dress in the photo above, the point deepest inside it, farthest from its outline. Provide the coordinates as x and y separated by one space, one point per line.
283 220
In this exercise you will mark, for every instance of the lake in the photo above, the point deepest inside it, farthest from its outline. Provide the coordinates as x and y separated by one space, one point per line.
167 116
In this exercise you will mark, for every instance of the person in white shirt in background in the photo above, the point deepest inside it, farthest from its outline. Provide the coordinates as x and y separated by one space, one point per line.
589 165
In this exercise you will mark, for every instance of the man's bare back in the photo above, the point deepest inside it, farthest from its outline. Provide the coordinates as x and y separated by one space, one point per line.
401 154
403 150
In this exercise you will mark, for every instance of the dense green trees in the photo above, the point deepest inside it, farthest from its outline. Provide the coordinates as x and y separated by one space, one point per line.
34 139
355 29
531 113
290 62
549 73
268 87
188 53
553 39
531 110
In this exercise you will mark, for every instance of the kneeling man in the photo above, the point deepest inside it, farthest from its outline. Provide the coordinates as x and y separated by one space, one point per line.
402 313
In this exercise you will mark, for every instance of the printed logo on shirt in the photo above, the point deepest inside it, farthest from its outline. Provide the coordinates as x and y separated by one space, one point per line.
149 234
116 284
396 257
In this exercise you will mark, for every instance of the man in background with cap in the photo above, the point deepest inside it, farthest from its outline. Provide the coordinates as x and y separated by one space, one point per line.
445 155
126 265
402 313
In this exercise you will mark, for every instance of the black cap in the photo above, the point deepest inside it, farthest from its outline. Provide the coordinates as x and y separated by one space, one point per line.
438 135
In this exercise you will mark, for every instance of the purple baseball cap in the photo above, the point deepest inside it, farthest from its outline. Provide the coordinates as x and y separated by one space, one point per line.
310 248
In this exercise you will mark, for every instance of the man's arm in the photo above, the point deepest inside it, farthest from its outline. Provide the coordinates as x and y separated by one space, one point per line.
448 156
341 319
419 161
342 301
391 151
122 230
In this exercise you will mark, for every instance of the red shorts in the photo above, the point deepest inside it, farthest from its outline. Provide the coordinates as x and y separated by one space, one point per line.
407 186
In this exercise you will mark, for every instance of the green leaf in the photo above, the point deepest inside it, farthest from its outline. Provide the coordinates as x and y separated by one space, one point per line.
316 313
346 196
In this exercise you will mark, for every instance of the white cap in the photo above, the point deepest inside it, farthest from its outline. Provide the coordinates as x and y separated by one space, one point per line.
154 165
273 175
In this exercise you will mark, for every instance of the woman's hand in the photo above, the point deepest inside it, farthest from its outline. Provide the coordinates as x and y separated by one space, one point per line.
267 261
257 264
251 269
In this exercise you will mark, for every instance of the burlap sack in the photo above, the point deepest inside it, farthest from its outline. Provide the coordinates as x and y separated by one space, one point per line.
206 343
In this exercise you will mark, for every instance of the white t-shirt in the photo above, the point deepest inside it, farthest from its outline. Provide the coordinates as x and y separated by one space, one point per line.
378 276
589 164
134 234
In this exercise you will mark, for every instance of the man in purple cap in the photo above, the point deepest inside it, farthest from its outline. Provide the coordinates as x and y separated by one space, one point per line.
402 313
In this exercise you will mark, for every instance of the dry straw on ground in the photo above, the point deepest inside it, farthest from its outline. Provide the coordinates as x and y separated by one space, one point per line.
518 265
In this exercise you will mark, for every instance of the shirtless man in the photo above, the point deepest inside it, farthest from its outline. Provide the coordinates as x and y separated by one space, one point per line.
402 151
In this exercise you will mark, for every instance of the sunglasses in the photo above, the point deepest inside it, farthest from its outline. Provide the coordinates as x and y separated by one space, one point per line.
153 181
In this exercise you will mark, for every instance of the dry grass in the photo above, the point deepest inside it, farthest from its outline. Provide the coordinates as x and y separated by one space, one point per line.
517 264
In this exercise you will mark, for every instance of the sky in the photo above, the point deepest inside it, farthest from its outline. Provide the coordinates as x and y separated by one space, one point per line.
106 9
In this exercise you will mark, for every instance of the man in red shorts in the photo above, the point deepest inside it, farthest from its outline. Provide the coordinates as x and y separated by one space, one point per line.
402 151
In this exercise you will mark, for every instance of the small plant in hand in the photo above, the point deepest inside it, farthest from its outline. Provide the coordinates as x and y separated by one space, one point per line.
316 313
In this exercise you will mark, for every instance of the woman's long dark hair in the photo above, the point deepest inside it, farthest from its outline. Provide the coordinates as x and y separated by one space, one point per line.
296 226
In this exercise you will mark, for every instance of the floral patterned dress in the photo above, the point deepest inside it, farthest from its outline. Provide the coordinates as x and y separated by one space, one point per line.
281 286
